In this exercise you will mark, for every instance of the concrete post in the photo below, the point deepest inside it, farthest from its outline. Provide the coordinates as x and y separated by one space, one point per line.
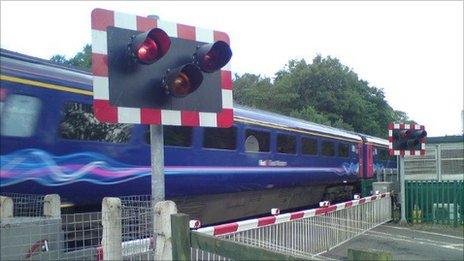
6 207
162 227
403 191
112 229
52 206
438 161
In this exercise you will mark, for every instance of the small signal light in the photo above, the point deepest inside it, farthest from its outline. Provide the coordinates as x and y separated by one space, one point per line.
195 223
212 57
183 80
275 211
150 46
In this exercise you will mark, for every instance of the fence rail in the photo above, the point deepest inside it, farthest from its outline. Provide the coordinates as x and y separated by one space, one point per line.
440 202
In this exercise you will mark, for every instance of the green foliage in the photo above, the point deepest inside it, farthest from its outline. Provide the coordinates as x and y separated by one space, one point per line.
324 91
82 59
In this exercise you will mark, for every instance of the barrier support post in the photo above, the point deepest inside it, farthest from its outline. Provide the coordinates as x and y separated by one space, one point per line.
112 229
52 206
6 208
162 227
180 237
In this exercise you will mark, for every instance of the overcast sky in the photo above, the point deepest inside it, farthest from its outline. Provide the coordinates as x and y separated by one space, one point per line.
412 50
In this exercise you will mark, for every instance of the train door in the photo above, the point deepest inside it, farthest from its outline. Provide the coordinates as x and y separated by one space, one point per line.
360 150
369 156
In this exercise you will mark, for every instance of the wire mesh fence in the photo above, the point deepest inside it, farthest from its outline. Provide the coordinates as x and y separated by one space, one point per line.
137 228
26 205
71 237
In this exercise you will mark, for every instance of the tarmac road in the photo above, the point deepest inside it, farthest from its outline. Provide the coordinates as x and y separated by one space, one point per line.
406 243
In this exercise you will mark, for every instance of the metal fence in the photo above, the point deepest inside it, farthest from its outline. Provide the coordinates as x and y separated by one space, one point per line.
137 228
304 234
440 202
35 230
441 162
26 205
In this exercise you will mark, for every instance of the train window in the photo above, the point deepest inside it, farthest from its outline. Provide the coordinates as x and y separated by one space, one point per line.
257 141
19 115
218 138
308 146
343 150
79 123
328 148
286 144
179 136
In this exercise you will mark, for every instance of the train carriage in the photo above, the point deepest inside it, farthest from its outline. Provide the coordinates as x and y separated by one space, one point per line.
52 143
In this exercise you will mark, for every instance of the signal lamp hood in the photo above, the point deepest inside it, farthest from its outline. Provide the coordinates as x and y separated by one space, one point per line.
183 80
150 46
212 57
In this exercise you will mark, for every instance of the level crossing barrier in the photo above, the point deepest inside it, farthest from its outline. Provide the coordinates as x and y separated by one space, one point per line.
304 234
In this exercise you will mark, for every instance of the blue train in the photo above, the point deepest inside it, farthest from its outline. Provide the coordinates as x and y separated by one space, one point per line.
52 143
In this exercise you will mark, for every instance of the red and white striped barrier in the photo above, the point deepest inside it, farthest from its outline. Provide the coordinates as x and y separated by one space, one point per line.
276 219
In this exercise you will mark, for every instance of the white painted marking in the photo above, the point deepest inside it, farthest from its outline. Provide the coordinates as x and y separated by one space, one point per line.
170 117
129 115
247 225
99 42
208 119
283 218
227 101
126 21
309 213
407 126
207 230
100 88
415 240
396 126
169 27
390 133
204 35
424 232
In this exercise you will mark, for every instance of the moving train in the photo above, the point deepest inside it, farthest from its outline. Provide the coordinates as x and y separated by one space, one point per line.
52 143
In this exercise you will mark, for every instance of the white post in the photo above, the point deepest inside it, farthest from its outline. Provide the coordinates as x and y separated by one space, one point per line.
52 206
112 229
403 191
157 163
162 226
6 208
438 158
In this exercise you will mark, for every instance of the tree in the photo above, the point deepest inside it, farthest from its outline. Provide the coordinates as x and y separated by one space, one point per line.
324 91
82 59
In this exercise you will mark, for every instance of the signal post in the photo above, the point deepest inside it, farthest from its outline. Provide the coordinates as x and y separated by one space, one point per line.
405 140
155 72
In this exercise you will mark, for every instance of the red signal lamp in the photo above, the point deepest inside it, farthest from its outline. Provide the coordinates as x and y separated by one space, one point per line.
183 80
150 46
212 57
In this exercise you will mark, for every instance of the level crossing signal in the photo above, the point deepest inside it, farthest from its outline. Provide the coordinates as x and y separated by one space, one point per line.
155 72
406 139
